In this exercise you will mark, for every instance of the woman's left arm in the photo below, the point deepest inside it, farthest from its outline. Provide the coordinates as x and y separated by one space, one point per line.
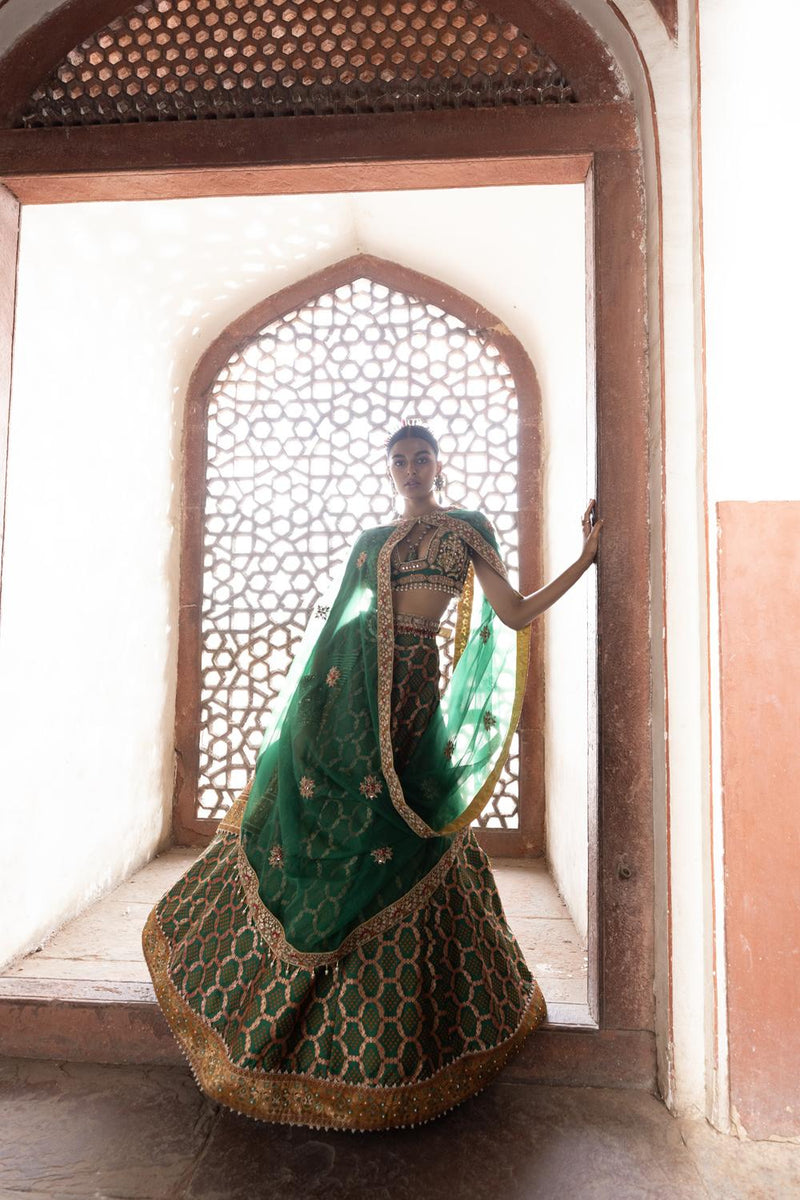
518 611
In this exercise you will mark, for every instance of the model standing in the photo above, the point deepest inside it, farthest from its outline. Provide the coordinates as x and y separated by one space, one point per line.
338 957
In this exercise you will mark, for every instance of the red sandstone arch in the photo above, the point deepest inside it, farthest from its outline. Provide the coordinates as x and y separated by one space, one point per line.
190 828
593 141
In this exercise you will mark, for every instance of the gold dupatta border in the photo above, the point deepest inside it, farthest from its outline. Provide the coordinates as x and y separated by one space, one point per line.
320 1103
484 793
274 934
385 609
232 821
268 925
464 616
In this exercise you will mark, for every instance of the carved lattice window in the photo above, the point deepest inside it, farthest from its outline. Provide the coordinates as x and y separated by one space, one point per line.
297 421
177 60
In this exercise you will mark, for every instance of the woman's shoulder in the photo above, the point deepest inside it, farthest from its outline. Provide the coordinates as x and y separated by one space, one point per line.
476 519
371 535
472 517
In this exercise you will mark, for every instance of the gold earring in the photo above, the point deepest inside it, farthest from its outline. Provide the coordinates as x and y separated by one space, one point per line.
438 482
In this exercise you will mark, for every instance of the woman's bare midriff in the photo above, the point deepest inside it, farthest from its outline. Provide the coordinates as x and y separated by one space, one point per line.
421 602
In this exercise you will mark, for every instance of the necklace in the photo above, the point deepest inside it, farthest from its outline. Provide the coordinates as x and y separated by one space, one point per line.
411 544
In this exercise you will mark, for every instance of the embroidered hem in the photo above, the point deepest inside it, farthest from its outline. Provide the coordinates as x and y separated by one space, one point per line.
289 1099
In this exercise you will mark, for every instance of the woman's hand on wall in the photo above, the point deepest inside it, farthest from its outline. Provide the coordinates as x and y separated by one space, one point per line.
518 611
591 533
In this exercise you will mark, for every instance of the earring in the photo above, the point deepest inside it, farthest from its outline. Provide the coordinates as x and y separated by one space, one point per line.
438 482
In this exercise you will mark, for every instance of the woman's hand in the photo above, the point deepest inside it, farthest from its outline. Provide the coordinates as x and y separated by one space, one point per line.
518 611
591 533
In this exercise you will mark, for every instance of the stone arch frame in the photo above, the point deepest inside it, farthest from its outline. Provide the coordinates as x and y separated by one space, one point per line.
596 143
187 827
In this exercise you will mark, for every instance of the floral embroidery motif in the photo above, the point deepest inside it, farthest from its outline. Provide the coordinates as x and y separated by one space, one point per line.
429 790
322 611
449 749
489 720
362 558
371 787
382 854
484 633
276 856
333 677
306 787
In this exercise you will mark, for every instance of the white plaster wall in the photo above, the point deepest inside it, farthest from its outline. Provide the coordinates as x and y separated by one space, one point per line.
752 257
116 303
751 260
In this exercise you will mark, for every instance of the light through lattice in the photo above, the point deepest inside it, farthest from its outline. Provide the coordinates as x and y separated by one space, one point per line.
297 422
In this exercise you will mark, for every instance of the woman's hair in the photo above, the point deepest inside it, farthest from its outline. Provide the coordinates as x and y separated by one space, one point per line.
411 429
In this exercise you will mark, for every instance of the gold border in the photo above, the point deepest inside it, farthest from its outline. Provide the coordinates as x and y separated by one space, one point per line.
483 795
232 821
386 615
274 934
464 616
320 1103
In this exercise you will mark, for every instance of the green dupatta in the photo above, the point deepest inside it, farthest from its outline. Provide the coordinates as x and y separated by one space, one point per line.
336 845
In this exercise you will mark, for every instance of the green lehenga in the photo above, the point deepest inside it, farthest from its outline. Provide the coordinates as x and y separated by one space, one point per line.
339 956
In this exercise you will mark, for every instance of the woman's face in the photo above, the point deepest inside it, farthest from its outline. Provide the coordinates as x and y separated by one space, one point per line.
413 467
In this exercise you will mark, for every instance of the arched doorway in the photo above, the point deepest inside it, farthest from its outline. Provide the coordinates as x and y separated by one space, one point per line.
592 140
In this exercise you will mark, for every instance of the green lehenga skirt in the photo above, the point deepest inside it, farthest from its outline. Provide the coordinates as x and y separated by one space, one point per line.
398 1027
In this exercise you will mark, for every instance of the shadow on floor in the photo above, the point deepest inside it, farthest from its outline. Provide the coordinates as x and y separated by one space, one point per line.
80 1130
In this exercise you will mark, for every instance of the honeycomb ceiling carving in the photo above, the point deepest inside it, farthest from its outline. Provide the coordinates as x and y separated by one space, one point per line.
172 60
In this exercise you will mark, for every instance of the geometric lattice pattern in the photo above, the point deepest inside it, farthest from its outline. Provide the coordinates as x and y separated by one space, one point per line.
448 979
173 60
296 467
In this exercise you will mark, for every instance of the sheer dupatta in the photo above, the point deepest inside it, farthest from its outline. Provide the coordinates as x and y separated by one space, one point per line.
335 844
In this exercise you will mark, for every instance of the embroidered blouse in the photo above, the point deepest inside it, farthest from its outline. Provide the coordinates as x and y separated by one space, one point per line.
442 567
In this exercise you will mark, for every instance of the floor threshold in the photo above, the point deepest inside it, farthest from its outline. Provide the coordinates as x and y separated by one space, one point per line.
85 996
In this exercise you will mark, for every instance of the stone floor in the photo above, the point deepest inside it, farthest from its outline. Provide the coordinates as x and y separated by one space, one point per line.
103 944
79 1131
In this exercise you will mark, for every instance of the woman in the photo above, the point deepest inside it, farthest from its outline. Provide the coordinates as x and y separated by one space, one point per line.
338 957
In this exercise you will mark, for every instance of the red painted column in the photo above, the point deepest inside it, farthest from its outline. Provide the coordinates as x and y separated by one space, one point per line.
759 584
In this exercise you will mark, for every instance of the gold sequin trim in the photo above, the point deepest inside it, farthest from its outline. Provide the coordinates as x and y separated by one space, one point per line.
412 623
274 934
321 1103
483 795
464 616
386 619
232 821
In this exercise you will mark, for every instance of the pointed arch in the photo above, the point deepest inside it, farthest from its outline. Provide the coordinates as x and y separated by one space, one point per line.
200 724
596 142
